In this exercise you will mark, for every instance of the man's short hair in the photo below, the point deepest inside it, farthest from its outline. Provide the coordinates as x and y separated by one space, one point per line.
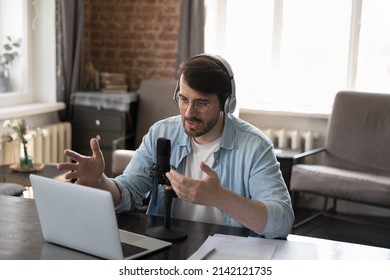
208 75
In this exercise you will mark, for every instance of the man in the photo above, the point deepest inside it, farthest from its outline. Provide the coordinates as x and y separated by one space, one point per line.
225 169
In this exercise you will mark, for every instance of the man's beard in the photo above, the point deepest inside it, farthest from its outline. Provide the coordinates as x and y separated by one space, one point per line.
207 128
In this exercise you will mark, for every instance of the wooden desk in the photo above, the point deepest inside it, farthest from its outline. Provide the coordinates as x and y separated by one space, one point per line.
21 236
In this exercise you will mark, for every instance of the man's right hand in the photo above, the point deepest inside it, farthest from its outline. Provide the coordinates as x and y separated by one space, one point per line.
87 170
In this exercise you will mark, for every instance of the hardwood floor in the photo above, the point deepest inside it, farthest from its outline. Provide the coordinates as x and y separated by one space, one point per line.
363 232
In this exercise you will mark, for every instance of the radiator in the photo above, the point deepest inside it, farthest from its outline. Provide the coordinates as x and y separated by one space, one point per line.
43 149
292 139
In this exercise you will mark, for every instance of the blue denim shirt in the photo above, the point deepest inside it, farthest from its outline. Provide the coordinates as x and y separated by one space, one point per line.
245 163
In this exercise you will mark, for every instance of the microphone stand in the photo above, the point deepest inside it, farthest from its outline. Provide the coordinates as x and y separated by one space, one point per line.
166 232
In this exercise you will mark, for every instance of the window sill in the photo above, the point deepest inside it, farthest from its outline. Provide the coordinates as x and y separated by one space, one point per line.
20 111
306 112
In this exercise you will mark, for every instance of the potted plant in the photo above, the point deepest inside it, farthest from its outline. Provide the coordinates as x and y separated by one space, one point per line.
24 134
10 53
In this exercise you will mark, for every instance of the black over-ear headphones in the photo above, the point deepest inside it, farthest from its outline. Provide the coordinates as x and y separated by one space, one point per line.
231 101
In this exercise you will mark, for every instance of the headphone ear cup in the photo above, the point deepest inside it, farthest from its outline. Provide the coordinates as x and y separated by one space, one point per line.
176 91
231 101
230 104
226 107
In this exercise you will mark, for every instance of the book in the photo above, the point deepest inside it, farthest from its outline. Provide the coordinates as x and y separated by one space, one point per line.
113 82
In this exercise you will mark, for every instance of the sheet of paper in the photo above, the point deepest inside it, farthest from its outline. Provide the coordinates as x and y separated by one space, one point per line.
291 250
226 247
229 247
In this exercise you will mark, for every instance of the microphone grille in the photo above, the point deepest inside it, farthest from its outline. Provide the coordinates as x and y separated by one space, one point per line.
164 147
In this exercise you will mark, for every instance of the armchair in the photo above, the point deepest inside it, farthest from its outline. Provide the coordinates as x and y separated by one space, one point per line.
354 164
155 103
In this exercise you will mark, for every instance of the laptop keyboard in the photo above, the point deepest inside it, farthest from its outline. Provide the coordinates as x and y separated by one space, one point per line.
130 250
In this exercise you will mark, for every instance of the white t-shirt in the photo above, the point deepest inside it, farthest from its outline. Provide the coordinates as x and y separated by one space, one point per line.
195 212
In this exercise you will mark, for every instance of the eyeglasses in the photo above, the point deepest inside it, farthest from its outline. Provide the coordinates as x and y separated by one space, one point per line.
200 105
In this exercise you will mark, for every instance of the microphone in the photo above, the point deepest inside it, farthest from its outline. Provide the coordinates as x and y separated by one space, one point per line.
163 157
157 172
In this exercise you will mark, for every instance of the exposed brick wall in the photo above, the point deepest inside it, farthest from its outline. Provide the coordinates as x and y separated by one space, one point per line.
136 37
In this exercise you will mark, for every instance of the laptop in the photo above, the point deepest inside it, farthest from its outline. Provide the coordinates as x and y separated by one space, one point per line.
83 219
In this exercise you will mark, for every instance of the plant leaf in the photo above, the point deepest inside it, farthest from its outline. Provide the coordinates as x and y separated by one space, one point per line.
7 47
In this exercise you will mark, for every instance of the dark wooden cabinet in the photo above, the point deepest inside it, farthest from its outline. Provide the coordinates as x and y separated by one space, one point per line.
110 118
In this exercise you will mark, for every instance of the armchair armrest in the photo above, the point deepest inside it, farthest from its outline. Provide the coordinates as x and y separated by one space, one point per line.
119 143
286 163
298 157
120 159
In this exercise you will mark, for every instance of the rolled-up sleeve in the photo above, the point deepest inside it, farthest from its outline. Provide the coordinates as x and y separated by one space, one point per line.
124 205
279 222
267 185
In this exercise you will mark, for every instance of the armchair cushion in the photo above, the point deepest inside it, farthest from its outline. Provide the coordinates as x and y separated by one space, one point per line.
342 184
155 103
359 130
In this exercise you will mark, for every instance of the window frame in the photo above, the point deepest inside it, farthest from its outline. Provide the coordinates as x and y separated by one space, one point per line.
38 52
350 80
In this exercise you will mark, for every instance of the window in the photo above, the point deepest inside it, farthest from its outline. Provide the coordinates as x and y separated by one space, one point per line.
12 25
373 71
32 73
299 54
